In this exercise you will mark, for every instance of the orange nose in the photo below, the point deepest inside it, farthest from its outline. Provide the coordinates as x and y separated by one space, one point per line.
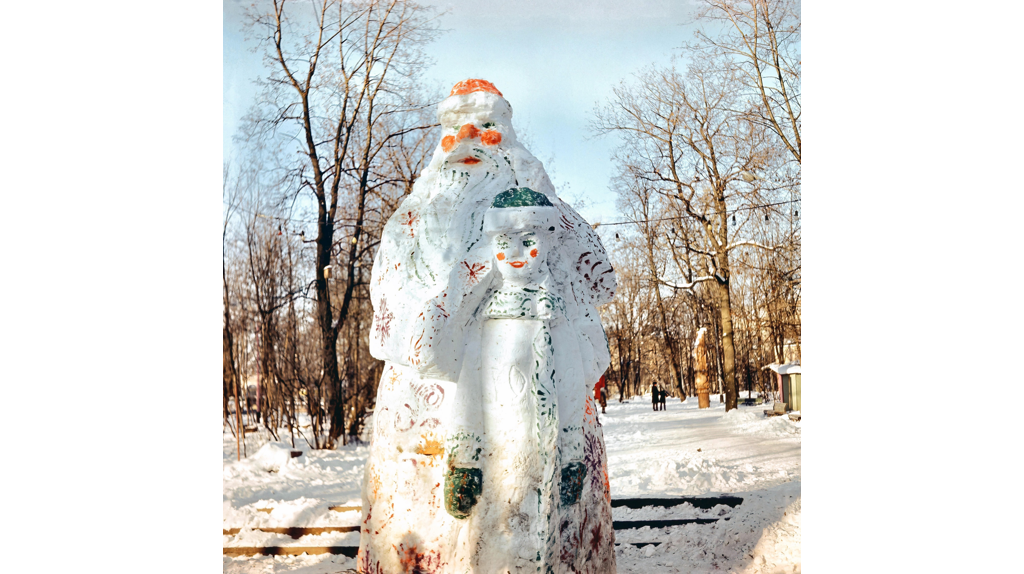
468 131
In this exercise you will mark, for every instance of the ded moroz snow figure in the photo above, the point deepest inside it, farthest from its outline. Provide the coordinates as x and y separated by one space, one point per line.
487 455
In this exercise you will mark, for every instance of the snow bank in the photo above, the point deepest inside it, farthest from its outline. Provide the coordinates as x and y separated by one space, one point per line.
755 422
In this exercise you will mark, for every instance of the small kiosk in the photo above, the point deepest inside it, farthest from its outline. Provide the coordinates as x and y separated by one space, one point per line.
788 378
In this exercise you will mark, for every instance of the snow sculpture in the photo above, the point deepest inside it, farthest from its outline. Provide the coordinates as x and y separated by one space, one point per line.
700 368
487 455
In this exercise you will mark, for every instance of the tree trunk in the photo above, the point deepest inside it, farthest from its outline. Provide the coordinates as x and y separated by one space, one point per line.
328 334
728 349
230 374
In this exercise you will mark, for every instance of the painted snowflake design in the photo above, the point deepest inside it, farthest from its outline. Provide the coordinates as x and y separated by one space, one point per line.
473 272
383 321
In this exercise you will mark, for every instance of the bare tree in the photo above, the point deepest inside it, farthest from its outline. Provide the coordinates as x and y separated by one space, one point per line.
760 41
682 137
231 379
339 70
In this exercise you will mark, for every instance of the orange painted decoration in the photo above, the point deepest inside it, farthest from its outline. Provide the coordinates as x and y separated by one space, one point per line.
491 137
501 257
533 253
470 160
474 85
589 410
447 143
431 446
517 264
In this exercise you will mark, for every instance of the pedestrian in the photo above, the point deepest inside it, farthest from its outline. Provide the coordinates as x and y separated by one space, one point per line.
601 393
654 396
663 393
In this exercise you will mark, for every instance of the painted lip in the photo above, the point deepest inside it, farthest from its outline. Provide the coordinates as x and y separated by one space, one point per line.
469 160
517 264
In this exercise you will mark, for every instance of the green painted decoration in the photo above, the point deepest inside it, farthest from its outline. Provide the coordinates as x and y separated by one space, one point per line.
462 487
521 197
572 483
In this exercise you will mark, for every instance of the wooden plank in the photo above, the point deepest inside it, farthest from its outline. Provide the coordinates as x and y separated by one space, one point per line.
296 531
349 551
703 502
344 508
628 524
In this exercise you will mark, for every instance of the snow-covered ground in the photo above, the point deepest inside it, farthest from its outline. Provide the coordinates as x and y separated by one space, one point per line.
680 451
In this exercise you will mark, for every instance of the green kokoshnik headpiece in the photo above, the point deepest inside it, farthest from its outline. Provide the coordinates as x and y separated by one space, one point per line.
520 208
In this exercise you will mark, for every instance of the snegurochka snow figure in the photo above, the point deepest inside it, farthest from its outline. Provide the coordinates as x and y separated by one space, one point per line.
487 455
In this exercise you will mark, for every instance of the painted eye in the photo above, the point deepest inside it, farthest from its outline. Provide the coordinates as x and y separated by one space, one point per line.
489 125
529 243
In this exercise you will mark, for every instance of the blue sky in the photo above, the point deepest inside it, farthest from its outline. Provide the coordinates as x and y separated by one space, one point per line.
553 60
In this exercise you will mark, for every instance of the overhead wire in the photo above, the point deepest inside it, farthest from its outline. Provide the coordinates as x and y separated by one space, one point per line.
729 211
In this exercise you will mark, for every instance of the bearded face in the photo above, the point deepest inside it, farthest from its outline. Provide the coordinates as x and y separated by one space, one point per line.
473 161
473 139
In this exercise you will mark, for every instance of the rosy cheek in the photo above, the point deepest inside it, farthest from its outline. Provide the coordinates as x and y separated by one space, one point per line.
501 257
491 137
447 143
533 253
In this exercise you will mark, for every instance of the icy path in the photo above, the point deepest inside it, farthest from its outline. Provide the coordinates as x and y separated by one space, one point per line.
650 454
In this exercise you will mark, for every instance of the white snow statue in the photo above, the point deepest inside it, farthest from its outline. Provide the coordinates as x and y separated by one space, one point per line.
487 456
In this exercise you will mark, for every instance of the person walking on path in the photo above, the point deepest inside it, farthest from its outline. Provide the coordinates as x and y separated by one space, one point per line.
654 396
662 401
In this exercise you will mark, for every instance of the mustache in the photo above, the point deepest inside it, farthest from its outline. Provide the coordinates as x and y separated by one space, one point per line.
474 149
